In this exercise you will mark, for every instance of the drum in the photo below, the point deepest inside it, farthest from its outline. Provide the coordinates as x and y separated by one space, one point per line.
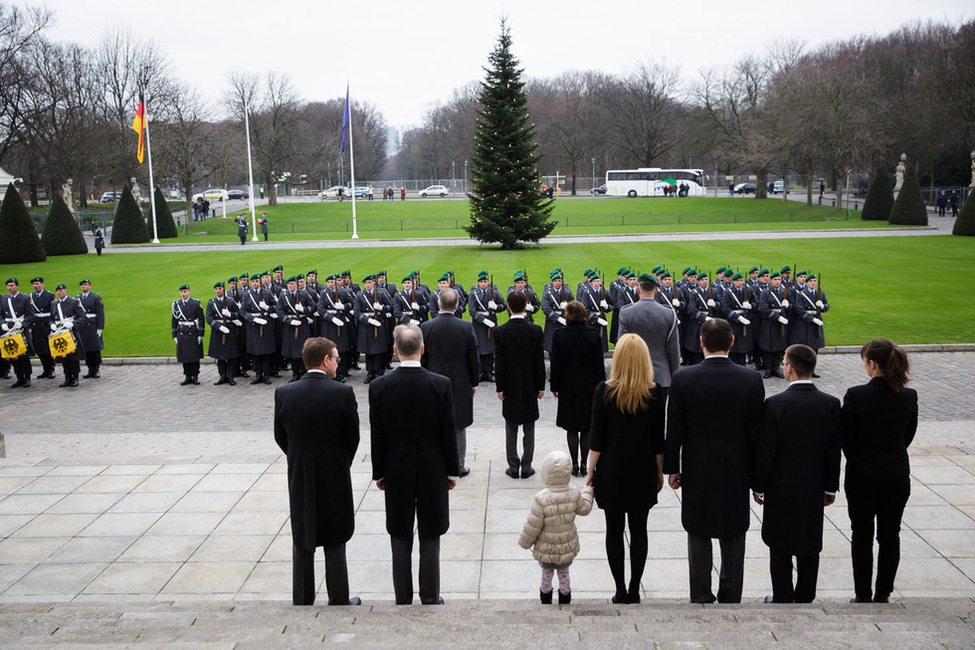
13 346
61 345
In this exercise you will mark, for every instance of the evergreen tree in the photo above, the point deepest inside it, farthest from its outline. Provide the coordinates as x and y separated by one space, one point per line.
129 226
965 223
506 205
19 242
165 225
909 208
61 233
880 197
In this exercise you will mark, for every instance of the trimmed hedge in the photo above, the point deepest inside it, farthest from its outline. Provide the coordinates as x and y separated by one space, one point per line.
19 242
61 233
965 223
880 197
129 226
165 225
909 208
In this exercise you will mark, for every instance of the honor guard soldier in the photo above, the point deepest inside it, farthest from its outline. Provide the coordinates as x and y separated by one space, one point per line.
761 286
258 310
808 306
694 313
278 362
224 320
314 290
787 279
521 285
736 309
335 310
238 296
294 308
774 306
14 312
666 294
345 278
66 317
188 328
444 283
596 301
555 296
485 303
390 289
409 305
752 277
628 295
91 329
40 326
460 291
278 280
370 309
615 288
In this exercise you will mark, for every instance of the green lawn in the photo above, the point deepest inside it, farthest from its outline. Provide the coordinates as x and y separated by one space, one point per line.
892 287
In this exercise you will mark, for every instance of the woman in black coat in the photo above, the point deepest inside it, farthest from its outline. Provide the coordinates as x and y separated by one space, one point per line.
577 366
627 456
879 421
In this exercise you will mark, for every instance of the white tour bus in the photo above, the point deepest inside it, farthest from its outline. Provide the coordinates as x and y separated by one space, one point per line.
651 181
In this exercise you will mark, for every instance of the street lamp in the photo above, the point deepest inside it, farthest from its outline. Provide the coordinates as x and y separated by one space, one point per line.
465 175
594 175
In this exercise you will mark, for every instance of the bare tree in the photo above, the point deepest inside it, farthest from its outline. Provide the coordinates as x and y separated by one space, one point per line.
18 29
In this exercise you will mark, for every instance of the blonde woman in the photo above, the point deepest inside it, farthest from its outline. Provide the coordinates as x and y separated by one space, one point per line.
627 447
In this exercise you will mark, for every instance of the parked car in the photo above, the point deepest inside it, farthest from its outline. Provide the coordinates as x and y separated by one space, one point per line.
598 190
213 194
434 190
239 195
110 197
332 192
745 188
778 186
362 192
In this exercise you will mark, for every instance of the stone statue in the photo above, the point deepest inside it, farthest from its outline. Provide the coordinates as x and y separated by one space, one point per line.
899 177
137 193
972 185
67 195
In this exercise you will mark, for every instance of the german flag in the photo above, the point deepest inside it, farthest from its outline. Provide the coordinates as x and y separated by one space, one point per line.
139 126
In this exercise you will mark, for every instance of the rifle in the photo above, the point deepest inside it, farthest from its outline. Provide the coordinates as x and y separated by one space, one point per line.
490 298
710 299
744 288
819 298
785 296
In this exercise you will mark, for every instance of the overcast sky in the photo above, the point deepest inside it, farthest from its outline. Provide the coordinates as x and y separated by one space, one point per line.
405 57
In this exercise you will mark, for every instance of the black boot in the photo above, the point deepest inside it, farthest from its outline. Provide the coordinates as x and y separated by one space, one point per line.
186 381
257 379
222 380
546 598
565 599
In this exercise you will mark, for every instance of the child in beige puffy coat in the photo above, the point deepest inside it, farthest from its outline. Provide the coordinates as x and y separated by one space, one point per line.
551 530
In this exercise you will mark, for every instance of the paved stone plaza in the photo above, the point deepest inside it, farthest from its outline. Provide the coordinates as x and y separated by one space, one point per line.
132 507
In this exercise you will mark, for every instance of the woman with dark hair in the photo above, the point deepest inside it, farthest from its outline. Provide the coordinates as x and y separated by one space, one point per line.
879 421
577 366
627 456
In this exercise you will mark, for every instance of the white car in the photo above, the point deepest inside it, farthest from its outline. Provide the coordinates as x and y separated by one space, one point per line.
213 194
434 190
333 192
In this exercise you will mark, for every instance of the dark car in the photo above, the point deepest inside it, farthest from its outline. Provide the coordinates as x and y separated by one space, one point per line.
240 195
745 188
598 190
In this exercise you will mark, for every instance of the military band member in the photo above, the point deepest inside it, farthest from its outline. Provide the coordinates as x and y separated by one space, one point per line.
615 288
66 316
188 328
774 306
258 310
335 310
370 308
294 309
40 326
694 312
736 309
224 320
555 296
809 304
91 329
484 304
596 301
14 315
409 305
521 285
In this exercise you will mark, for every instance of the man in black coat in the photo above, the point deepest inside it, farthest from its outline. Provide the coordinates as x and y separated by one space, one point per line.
519 361
797 474
40 326
316 424
450 349
90 328
414 461
713 416
223 318
188 327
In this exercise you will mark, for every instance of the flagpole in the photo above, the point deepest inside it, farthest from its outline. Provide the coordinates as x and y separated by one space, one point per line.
348 108
152 186
250 172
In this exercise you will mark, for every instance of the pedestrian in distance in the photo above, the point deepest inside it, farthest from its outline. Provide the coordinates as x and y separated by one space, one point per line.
99 241
242 228
263 223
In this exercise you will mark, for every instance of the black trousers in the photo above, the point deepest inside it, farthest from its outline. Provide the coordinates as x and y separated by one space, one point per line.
191 368
262 364
511 444
22 367
71 366
882 500
376 363
807 574
228 368
773 360
403 570
47 363
487 364
731 576
93 359
336 575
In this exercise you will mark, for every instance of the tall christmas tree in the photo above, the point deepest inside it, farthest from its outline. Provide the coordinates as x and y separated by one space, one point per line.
506 204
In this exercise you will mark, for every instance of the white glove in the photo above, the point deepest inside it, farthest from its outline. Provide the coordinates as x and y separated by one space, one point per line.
224 329
817 321
98 333
174 339
260 321
562 305
414 305
374 322
377 306
561 320
4 327
310 320
785 303
529 308
492 304
604 304
263 305
340 306
273 314
783 320
337 322
295 322
488 323
414 321
54 327
707 318
602 321
236 322
675 302
744 321
300 308
199 340
746 305
226 312
819 303
711 303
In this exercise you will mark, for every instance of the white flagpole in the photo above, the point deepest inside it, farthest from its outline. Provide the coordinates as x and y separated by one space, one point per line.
250 172
355 234
152 186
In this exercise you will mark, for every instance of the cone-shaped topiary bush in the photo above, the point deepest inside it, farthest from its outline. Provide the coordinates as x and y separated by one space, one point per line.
880 197
61 233
165 226
965 223
129 226
19 242
909 208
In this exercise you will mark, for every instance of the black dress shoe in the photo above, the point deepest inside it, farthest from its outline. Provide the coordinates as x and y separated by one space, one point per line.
512 472
769 600
815 375
546 598
195 380
621 598
65 383
74 383
230 380
633 597
186 381
438 601
96 375
565 599
881 598
25 384
18 383
88 375
276 374
767 375
583 470
369 378
778 373
860 600
222 380
526 472
464 471
244 374
256 380
490 377
266 380
575 470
